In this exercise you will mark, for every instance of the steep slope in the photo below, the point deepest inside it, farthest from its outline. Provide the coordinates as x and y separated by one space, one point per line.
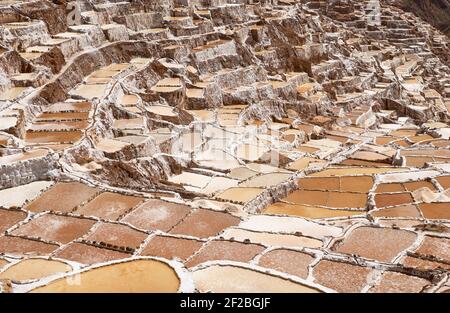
435 12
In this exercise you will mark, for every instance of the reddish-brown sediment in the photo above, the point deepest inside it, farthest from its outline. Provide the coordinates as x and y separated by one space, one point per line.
17 245
340 276
435 246
435 210
288 261
10 217
171 247
156 136
87 254
381 244
62 197
392 282
57 228
117 235
225 250
205 223
109 205
157 214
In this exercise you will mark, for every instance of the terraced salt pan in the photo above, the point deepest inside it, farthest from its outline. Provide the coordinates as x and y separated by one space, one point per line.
30 269
289 225
130 276
281 208
241 173
219 183
90 91
59 125
73 193
250 152
12 93
161 110
329 199
357 171
227 278
265 180
408 176
381 244
110 145
271 239
240 194
3 263
77 106
62 116
18 196
57 228
37 153
53 137
192 179
7 122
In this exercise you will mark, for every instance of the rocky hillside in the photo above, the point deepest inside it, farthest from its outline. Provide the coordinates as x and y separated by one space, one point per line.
435 12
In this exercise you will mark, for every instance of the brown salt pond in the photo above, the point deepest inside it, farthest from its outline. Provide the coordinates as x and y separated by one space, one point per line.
409 210
117 235
393 282
58 125
329 199
281 208
81 106
225 250
240 194
344 183
444 181
303 163
399 187
157 215
9 218
205 223
89 254
73 193
381 244
3 263
423 264
288 261
435 246
342 277
385 199
32 137
62 116
30 269
171 247
130 276
356 171
17 245
435 210
109 205
57 228
227 278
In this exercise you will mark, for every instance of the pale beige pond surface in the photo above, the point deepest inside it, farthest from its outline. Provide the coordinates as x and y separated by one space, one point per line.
235 279
270 239
130 276
34 269
240 194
